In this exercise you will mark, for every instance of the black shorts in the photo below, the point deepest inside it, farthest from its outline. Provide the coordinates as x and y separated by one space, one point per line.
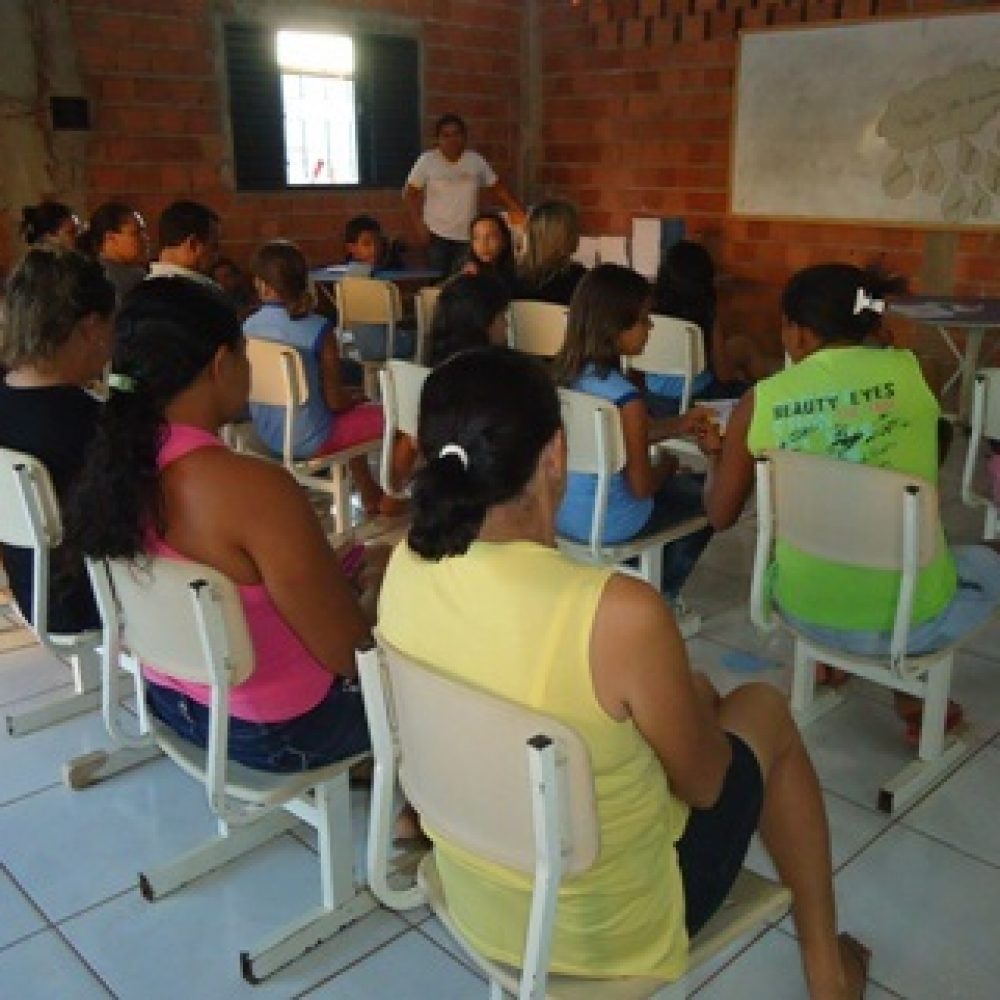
715 841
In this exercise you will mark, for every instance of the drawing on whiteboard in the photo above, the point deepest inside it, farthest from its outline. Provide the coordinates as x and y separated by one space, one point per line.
941 131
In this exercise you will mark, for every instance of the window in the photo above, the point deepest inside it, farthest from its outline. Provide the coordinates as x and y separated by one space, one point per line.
318 108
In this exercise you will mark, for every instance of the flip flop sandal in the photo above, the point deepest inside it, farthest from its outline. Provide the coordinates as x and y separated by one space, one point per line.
913 718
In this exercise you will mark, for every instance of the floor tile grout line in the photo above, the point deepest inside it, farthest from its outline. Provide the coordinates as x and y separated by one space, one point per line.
964 852
738 954
462 960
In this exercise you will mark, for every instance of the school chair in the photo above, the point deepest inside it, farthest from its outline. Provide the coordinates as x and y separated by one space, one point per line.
400 383
424 303
278 378
537 328
889 523
985 427
595 446
30 519
187 619
368 302
514 786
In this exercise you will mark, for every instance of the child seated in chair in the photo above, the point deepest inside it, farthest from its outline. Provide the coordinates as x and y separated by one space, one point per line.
334 416
861 404
160 482
368 248
56 341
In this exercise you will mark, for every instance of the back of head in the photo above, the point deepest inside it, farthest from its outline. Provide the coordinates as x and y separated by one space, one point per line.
43 219
282 265
685 285
48 293
609 299
839 302
182 219
466 309
166 333
361 224
108 218
551 238
485 416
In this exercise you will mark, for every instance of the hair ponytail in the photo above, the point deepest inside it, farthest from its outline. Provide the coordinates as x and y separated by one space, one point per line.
167 331
485 416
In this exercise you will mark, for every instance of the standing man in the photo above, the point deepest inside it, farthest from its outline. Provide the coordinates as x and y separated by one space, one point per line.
442 194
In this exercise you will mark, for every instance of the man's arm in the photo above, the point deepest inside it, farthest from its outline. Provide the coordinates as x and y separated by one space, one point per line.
499 193
413 198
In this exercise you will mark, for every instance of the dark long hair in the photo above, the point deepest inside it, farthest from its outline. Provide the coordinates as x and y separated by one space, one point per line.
107 218
608 300
500 408
465 310
167 331
685 285
823 297
43 219
505 266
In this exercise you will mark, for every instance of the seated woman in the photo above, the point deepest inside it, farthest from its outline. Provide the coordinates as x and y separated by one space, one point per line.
117 237
685 289
546 271
471 311
335 416
609 319
683 777
158 481
877 410
56 341
491 250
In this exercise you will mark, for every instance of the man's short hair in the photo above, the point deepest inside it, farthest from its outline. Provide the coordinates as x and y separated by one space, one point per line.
361 224
182 219
450 119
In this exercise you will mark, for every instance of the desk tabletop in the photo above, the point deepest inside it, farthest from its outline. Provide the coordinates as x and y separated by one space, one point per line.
335 272
948 310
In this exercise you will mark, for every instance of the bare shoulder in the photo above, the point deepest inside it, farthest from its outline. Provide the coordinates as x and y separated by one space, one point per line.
250 482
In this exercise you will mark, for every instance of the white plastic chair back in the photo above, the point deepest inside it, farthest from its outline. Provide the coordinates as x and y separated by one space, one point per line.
985 426
675 347
400 385
480 798
29 518
183 618
424 303
537 328
278 378
368 300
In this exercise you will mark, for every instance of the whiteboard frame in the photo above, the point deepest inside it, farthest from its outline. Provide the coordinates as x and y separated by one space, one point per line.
987 226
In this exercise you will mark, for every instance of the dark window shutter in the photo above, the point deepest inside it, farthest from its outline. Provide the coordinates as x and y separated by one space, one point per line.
255 109
388 76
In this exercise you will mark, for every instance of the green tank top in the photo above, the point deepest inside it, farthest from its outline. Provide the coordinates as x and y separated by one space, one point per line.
515 619
858 404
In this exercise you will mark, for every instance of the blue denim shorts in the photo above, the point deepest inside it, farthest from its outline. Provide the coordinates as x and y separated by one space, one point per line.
336 728
976 601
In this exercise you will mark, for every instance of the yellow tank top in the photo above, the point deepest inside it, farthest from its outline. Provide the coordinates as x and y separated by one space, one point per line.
515 619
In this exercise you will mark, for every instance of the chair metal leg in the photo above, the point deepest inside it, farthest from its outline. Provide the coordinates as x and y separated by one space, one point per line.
340 504
343 902
651 566
48 715
807 706
213 853
496 990
90 768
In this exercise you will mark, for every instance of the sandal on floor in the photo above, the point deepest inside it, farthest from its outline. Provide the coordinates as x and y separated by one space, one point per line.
913 717
830 677
852 948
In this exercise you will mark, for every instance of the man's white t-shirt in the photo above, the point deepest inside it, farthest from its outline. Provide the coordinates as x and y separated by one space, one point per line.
451 190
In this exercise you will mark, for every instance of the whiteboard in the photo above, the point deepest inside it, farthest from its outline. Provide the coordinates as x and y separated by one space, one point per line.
896 121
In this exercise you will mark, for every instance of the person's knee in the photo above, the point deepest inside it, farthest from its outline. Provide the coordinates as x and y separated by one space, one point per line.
758 713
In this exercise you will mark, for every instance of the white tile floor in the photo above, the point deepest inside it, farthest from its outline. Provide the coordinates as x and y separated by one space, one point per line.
922 889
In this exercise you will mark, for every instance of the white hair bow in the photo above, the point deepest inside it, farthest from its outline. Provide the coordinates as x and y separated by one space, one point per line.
865 301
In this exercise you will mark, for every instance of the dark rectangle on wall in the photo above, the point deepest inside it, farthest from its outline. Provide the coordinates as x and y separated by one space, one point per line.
70 114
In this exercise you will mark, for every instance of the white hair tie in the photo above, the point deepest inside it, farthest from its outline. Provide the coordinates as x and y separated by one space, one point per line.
458 451
865 301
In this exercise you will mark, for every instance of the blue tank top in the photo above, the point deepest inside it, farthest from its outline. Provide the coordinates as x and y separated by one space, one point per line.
627 514
313 420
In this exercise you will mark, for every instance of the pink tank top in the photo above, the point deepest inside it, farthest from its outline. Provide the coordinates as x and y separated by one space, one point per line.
287 680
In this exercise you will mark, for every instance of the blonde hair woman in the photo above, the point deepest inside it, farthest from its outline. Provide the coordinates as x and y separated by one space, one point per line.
547 270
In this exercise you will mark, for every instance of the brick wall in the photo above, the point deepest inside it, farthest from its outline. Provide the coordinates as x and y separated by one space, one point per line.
153 73
637 99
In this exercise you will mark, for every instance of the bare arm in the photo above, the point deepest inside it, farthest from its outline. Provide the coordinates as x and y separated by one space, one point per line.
499 192
730 466
640 670
413 198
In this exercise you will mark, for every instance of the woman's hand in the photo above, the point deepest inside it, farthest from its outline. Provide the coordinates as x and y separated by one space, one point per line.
708 437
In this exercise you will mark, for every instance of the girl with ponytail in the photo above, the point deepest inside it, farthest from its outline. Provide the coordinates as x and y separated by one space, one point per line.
158 481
